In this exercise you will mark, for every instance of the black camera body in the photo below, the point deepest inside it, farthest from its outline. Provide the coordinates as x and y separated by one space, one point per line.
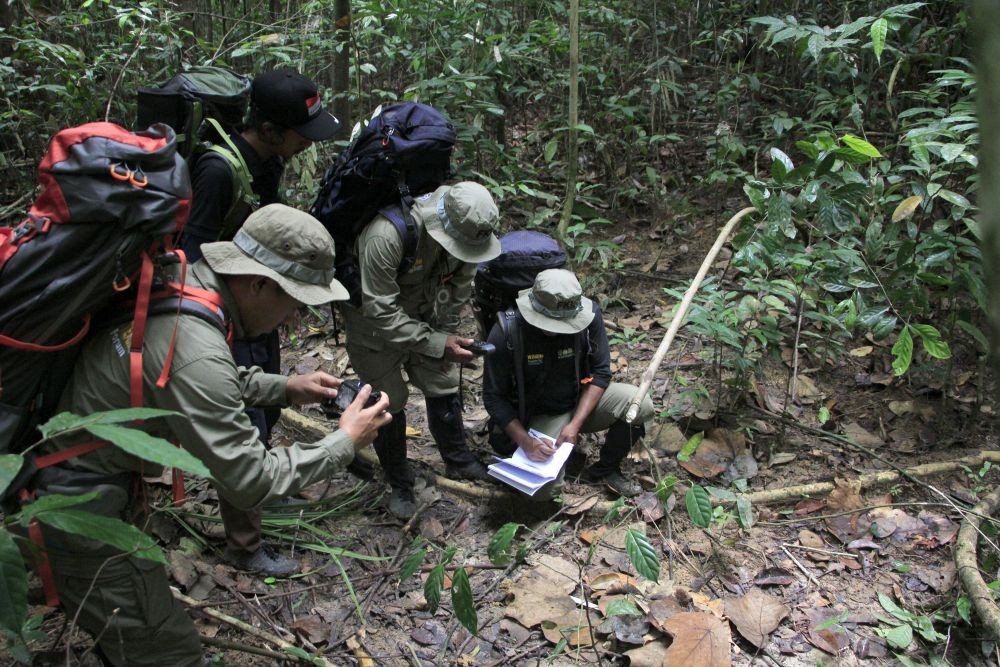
346 393
480 348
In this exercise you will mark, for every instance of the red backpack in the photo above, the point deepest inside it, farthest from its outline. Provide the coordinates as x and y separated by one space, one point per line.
111 203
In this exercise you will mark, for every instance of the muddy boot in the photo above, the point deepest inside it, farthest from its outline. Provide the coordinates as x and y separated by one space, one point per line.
444 419
390 446
617 443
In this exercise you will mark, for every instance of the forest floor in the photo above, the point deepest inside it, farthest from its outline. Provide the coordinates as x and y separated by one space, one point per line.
853 576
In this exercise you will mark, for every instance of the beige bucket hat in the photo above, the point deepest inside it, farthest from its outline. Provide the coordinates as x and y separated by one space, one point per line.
555 303
466 218
288 246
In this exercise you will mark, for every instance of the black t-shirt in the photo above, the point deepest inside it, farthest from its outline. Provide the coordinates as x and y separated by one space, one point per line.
551 372
212 194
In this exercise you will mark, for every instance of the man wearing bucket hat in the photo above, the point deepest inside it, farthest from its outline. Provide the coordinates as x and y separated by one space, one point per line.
552 373
410 321
230 180
281 258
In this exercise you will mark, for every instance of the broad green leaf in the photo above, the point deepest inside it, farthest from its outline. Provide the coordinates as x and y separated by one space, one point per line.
906 208
721 494
614 511
860 145
10 465
433 587
931 339
878 31
622 607
894 608
642 554
499 550
823 416
808 149
976 334
141 444
964 608
67 421
832 621
699 506
925 628
779 215
13 586
744 513
898 637
902 352
778 155
53 502
665 488
951 151
690 446
583 127
954 198
933 279
414 560
463 602
550 149
106 530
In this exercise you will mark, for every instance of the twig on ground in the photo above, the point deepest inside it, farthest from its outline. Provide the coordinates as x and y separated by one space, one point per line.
802 568
818 550
243 648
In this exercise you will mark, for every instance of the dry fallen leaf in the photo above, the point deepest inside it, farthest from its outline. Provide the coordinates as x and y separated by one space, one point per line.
859 435
571 626
650 655
663 608
846 495
807 538
722 451
756 615
313 628
699 639
862 351
543 592
833 639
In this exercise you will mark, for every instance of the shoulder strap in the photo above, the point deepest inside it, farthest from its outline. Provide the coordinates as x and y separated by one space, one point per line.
243 194
400 217
509 322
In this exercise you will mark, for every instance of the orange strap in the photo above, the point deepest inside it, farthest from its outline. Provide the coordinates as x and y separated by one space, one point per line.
139 330
161 381
34 347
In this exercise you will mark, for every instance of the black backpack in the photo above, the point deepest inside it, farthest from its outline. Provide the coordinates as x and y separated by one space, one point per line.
523 254
404 151
203 106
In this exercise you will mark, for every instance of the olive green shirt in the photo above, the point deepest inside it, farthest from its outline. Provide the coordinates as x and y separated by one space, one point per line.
211 393
419 309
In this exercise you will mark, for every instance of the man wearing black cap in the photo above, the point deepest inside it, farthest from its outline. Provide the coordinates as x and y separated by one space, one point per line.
230 181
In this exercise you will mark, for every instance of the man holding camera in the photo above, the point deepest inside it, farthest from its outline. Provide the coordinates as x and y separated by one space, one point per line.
280 259
410 321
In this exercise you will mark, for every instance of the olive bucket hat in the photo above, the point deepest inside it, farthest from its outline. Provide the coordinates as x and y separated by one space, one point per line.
466 219
555 303
289 246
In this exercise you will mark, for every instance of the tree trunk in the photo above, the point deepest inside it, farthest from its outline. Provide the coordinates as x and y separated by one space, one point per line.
986 29
341 64
574 102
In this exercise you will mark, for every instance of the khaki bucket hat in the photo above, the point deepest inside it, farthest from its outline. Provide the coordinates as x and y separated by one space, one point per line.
466 219
288 246
555 303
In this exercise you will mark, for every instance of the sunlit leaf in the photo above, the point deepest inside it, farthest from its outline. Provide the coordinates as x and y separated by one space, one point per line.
499 550
622 607
902 352
690 446
433 587
906 208
10 465
414 560
878 32
860 145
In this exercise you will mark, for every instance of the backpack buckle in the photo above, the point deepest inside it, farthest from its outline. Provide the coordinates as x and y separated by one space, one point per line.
25 229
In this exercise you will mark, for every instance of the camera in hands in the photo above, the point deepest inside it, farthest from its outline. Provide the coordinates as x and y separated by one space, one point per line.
346 393
480 348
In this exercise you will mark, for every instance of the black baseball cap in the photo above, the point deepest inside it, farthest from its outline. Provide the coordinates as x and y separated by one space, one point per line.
285 97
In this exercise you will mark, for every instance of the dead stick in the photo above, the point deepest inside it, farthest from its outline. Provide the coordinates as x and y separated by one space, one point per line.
675 324
244 648
801 567
968 565
868 480
246 627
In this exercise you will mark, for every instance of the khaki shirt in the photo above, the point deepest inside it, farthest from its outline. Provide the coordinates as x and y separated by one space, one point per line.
211 393
417 310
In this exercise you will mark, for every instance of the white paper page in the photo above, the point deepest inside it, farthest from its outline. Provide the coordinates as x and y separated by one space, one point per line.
549 468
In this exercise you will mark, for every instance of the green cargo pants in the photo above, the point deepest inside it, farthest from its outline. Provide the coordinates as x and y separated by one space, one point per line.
611 408
123 601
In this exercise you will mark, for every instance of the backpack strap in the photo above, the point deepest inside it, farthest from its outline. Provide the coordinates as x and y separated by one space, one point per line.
400 217
243 194
510 325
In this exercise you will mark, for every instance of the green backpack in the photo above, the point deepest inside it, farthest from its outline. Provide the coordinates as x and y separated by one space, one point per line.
204 105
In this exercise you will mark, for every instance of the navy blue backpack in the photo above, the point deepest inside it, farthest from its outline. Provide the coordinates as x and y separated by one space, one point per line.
523 255
404 151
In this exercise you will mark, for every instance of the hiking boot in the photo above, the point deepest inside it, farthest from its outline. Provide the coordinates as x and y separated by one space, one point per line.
471 470
286 504
361 469
402 504
266 561
617 482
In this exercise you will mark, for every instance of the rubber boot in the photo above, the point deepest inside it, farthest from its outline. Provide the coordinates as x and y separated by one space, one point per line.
390 446
620 439
444 419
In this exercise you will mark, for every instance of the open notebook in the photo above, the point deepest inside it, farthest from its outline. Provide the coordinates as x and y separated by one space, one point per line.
526 475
